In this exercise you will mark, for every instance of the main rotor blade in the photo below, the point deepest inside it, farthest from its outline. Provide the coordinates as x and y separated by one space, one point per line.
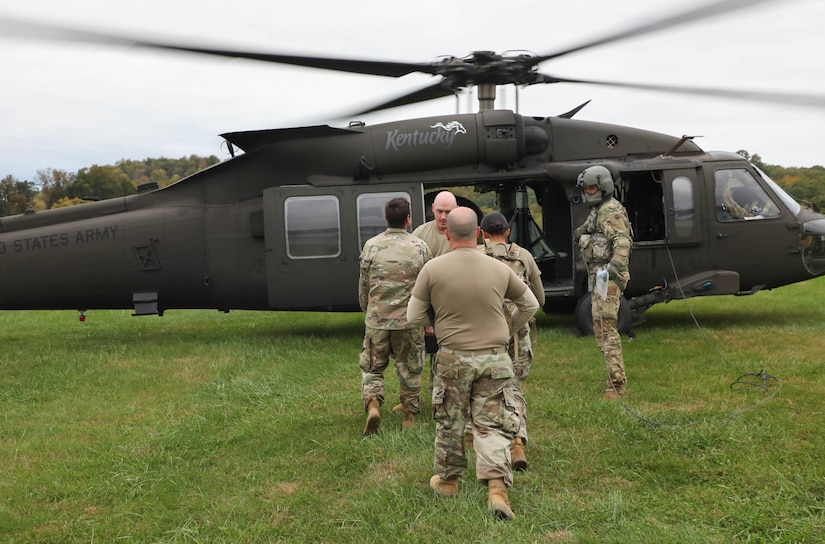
25 29
704 12
422 95
809 100
369 67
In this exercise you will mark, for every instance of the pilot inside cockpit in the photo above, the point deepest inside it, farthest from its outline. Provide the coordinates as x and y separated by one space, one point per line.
739 197
740 202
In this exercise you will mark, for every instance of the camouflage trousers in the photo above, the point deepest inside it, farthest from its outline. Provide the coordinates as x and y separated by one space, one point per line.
406 347
475 388
521 367
605 315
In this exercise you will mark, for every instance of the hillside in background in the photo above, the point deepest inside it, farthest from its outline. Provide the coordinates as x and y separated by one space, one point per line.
807 184
54 188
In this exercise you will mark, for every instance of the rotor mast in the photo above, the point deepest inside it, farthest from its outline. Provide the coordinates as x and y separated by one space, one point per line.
486 96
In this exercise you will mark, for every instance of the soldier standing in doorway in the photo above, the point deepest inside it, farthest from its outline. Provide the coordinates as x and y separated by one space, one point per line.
605 240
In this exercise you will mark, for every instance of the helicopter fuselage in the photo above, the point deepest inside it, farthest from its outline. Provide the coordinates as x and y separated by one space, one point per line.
281 226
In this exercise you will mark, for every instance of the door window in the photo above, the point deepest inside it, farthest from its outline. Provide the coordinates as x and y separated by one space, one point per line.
313 227
371 219
683 216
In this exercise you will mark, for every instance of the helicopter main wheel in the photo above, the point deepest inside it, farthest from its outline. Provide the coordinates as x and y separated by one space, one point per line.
584 319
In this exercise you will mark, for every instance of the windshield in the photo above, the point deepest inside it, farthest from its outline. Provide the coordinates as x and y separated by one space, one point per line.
786 199
811 239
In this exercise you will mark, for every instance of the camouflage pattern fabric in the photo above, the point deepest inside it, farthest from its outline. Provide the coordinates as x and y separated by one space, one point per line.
439 245
406 347
477 389
389 264
521 369
606 238
514 256
605 320
734 208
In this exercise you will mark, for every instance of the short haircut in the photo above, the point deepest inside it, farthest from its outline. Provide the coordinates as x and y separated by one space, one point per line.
396 212
462 224
494 223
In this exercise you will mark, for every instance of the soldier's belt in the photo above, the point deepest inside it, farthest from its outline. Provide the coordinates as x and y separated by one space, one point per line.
489 351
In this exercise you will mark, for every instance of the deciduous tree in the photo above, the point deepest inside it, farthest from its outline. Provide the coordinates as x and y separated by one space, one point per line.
15 195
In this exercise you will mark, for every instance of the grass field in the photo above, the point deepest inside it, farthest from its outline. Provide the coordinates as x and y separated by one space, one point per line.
207 427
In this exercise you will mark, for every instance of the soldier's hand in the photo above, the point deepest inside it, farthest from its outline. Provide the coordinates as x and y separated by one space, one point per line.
613 270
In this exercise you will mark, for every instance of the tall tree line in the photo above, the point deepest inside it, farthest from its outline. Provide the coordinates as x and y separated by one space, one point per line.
54 188
805 184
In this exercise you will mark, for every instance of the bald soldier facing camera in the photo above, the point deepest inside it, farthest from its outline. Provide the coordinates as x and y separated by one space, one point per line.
474 373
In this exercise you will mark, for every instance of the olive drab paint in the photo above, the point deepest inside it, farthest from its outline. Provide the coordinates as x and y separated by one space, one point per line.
280 227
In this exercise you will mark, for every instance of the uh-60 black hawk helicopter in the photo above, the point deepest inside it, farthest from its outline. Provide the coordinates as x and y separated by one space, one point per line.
281 225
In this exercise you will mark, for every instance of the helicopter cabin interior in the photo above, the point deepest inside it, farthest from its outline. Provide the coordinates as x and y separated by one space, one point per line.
305 228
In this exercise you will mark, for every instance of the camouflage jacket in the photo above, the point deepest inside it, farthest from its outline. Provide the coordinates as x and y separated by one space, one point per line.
606 236
389 264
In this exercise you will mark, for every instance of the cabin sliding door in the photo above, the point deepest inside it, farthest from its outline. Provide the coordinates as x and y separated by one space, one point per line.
314 237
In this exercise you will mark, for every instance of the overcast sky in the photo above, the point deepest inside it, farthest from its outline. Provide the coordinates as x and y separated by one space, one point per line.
68 106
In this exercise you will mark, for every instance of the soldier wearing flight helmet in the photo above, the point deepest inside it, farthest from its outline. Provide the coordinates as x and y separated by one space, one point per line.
605 240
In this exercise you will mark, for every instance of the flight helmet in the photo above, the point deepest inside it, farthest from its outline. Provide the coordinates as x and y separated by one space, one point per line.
601 178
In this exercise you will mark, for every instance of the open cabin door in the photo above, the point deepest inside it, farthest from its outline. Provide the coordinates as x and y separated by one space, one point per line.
314 237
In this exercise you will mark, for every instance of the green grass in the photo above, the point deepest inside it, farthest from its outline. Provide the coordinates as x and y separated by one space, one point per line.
206 427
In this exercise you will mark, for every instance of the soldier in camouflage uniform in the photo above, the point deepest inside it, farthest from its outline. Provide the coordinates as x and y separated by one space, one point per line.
496 230
389 265
605 240
474 373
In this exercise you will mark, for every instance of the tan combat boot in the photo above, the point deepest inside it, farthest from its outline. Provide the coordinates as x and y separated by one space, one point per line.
497 503
445 488
614 391
409 417
517 457
373 417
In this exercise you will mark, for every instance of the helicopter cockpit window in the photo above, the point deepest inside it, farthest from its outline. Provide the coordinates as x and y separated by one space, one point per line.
786 199
371 219
313 227
739 197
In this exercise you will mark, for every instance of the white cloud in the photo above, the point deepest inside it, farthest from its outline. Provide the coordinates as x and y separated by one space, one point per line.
70 105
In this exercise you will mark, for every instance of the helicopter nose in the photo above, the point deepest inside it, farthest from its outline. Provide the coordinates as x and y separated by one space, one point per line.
813 246
814 226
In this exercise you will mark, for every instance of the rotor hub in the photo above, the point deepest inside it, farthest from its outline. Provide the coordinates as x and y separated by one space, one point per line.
487 67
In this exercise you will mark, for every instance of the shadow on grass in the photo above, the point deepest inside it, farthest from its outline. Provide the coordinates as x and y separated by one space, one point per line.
214 329
722 319
719 316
